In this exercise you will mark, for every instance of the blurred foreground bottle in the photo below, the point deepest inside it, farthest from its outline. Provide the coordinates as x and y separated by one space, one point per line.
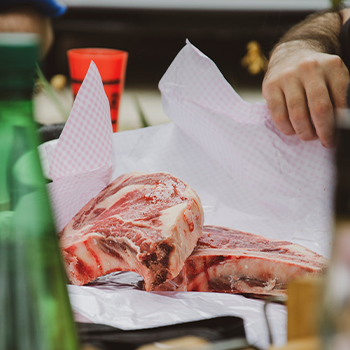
335 312
35 311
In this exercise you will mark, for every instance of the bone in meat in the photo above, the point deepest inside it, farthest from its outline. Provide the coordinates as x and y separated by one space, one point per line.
230 261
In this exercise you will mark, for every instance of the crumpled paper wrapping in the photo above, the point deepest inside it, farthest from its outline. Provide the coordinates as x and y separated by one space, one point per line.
277 185
249 176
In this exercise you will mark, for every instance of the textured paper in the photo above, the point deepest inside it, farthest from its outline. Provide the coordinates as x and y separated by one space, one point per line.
279 185
81 163
249 177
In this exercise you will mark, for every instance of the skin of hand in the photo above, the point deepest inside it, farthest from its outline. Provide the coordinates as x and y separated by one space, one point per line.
29 20
303 87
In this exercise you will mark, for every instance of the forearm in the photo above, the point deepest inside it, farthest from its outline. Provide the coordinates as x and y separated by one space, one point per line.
318 32
307 79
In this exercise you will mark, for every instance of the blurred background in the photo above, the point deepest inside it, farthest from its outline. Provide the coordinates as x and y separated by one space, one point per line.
154 31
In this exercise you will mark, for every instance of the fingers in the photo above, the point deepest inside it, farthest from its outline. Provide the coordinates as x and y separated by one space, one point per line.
337 77
321 110
325 86
278 109
302 99
288 107
298 111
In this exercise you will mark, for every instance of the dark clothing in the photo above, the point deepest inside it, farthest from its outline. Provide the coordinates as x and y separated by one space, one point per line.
51 8
344 38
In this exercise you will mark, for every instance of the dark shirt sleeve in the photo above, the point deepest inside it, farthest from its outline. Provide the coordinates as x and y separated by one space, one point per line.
51 8
344 38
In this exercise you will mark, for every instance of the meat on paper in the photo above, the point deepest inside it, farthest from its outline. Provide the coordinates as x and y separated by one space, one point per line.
143 222
231 261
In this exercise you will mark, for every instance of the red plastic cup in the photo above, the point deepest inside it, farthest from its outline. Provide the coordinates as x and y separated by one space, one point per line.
112 67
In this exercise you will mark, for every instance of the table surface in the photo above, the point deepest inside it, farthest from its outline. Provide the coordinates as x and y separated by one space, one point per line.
149 100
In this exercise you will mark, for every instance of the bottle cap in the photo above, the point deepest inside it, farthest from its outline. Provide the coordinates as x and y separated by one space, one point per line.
19 54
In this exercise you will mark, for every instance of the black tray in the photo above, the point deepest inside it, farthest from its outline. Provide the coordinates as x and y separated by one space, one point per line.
50 132
108 338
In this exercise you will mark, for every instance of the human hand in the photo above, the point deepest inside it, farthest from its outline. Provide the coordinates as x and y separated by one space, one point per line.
302 88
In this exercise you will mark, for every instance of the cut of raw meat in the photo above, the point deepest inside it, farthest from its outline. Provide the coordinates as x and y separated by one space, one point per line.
147 223
231 261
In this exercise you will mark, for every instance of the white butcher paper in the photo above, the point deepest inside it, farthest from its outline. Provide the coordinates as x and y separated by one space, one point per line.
249 176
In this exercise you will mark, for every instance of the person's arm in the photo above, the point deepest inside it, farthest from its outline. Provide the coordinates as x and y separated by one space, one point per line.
307 79
345 14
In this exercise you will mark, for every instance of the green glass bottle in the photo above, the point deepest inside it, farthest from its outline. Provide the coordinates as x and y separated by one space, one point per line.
35 311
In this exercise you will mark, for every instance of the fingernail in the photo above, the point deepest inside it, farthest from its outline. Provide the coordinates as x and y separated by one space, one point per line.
328 145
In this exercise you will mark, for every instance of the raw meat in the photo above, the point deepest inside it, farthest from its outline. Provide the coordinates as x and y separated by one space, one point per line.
231 261
147 223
